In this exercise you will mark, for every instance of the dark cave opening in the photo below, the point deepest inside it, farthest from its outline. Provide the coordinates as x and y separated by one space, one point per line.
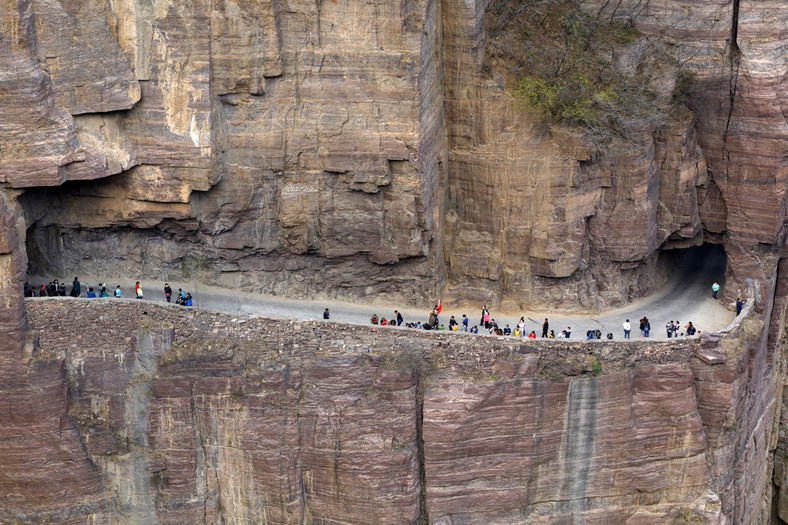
696 266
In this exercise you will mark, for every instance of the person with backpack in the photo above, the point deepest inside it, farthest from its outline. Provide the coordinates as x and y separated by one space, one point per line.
118 293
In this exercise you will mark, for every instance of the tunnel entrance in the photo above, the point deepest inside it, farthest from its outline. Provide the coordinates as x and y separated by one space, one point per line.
696 268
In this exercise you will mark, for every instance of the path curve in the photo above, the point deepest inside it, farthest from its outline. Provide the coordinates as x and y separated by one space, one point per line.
687 297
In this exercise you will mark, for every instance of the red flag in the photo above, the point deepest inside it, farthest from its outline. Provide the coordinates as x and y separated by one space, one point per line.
440 306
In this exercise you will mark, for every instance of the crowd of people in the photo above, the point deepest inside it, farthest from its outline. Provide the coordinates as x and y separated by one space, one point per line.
487 323
57 289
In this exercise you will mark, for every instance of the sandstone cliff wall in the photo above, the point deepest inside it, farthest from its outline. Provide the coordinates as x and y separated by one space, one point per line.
199 418
307 149
296 136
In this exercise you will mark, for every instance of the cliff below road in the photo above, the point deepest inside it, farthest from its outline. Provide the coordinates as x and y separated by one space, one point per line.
162 414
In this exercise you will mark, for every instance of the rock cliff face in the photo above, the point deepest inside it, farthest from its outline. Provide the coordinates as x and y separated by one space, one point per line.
199 418
345 149
307 149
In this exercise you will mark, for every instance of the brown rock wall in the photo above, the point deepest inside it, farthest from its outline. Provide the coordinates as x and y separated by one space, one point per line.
196 417
318 134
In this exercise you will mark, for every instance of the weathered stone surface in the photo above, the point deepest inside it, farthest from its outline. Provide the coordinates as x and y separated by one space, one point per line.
378 148
352 149
195 417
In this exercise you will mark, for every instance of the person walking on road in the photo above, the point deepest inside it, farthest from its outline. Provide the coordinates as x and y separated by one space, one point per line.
399 318
545 327
326 314
167 291
714 289
627 329
485 318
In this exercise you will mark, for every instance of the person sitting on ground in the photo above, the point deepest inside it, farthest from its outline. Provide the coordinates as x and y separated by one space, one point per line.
188 300
62 289
474 329
442 327
418 325
532 335
493 326
374 319
689 329
507 330
517 331
118 293
551 335
454 328
590 335
139 291
452 322
103 291
568 332
384 322
91 294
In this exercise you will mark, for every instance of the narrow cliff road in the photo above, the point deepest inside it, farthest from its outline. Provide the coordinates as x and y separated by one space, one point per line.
687 297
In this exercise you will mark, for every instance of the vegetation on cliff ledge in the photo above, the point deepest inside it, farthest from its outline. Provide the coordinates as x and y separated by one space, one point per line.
567 63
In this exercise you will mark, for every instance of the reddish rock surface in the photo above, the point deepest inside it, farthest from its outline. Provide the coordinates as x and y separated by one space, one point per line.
354 150
197 417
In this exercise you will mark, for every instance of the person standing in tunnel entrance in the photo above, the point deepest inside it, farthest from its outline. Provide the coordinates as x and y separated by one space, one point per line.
714 289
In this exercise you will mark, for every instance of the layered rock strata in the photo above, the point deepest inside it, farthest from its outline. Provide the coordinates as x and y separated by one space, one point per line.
308 149
265 138
196 417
